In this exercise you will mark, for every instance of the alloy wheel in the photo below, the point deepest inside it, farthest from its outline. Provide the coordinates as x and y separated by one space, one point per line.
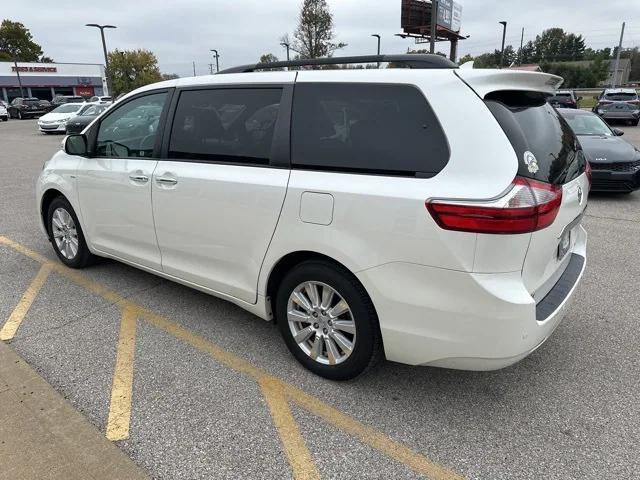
64 233
321 322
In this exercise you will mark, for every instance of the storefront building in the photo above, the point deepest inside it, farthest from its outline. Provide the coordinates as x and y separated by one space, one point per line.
45 80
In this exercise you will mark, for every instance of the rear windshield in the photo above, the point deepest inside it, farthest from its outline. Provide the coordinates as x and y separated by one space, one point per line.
620 96
32 102
546 147
566 95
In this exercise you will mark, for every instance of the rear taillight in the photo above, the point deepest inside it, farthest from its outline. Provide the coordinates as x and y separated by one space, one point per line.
587 170
604 102
634 102
529 205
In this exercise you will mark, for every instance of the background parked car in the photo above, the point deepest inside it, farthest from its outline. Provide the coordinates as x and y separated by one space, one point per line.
4 115
26 108
60 99
85 117
619 104
615 163
564 99
56 119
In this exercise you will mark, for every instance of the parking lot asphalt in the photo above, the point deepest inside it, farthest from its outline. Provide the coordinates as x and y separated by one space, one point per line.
190 386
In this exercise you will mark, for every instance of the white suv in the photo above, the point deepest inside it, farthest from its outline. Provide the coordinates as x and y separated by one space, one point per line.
430 214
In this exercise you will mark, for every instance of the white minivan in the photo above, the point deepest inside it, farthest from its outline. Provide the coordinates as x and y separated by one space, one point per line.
427 214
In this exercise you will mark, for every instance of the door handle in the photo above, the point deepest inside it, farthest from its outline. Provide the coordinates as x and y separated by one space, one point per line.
166 181
139 178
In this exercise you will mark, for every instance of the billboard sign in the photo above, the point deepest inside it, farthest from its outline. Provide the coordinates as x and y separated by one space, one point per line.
449 15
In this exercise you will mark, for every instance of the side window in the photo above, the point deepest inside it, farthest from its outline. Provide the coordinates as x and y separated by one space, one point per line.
225 125
386 129
130 131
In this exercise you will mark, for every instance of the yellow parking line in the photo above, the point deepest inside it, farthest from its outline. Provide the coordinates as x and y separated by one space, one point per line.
11 326
275 387
120 407
300 459
371 437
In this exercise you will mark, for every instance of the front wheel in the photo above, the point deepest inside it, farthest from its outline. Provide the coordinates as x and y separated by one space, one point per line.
66 235
328 321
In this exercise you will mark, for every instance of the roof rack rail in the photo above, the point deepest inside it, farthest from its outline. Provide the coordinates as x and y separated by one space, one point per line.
409 60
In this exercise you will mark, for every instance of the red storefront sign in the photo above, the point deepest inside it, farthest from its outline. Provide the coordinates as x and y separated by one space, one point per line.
85 91
35 69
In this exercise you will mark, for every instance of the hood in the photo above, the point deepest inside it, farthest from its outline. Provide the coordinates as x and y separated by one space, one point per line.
56 116
603 149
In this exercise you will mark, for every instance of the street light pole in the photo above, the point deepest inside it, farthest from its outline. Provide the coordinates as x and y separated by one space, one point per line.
286 45
504 34
216 57
106 57
378 37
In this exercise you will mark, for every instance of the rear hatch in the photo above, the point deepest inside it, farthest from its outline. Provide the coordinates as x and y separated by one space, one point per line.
547 151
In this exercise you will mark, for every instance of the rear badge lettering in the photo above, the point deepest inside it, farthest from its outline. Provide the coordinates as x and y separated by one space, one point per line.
531 162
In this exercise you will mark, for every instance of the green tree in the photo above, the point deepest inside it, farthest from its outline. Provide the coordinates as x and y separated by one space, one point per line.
16 42
466 58
130 69
492 60
578 76
170 76
268 58
314 35
45 59
554 44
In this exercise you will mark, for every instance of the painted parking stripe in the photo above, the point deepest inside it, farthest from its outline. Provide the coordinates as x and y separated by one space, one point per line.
368 435
121 391
11 326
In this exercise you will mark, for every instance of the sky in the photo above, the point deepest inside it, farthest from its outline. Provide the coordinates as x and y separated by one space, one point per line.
182 32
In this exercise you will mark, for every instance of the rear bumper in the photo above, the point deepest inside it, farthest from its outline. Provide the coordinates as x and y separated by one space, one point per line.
620 116
614 181
469 321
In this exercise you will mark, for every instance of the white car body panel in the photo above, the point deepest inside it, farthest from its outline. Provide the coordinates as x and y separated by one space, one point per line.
223 228
236 209
116 208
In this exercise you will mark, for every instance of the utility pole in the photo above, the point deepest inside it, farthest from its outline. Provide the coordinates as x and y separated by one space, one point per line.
615 71
194 69
106 57
504 33
521 44
211 68
15 62
216 56
378 37
434 18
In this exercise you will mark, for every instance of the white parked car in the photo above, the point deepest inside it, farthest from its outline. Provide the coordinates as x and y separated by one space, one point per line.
4 116
429 214
56 120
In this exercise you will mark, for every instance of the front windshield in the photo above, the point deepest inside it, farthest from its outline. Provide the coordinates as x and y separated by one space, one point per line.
586 124
67 108
93 110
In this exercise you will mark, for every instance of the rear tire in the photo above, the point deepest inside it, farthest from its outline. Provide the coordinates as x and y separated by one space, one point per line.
337 346
66 234
19 115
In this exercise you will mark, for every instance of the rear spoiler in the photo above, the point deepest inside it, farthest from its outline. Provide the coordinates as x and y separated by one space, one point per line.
484 81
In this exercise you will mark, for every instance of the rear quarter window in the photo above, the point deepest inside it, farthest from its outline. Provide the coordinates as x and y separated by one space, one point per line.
366 128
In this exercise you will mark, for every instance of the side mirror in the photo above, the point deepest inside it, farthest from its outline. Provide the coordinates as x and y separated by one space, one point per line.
76 145
617 132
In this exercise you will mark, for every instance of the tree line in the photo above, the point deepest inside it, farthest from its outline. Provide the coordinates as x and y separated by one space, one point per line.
551 49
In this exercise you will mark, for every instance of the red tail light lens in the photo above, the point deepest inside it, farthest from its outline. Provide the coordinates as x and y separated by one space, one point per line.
589 173
529 206
635 103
